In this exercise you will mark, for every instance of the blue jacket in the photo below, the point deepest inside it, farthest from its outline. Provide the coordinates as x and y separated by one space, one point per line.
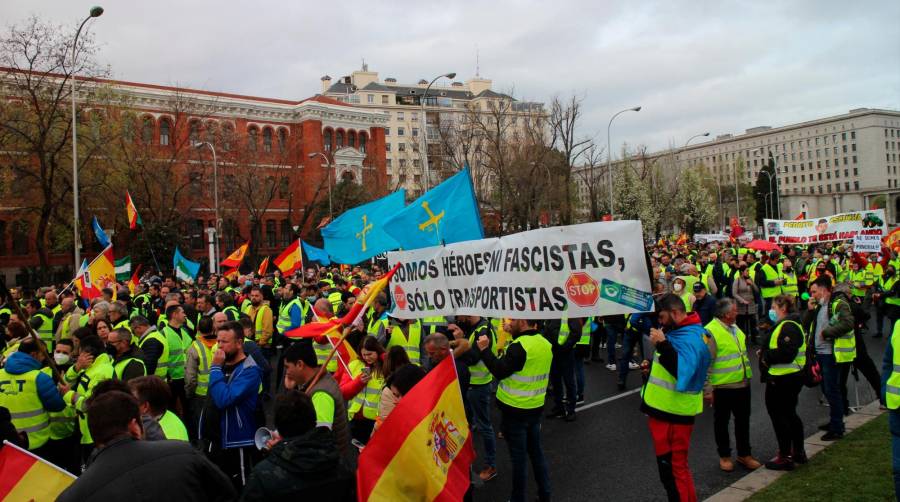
236 399
20 363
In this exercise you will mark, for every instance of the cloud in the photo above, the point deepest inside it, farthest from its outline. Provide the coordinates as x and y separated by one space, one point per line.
694 66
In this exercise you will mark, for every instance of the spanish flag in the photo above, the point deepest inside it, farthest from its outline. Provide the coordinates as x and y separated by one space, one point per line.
423 449
101 273
290 260
134 219
235 259
29 477
263 267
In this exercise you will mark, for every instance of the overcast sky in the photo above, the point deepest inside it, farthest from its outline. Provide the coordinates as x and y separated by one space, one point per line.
694 66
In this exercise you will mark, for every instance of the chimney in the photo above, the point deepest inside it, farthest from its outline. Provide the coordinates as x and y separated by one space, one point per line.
326 83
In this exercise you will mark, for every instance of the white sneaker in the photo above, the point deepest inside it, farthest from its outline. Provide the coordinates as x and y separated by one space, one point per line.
633 365
611 367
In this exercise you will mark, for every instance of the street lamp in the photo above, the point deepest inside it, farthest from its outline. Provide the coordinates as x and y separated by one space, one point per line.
95 11
609 155
776 201
218 230
313 155
692 138
424 154
771 193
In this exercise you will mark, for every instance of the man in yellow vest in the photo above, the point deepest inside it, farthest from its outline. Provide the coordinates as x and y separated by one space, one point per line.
523 373
41 320
261 314
30 395
890 385
154 346
406 333
728 385
789 280
829 320
767 279
672 395
197 362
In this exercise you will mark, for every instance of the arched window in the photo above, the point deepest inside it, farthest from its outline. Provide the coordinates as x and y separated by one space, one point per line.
347 176
362 142
287 233
252 134
351 138
147 131
210 132
282 140
165 132
194 132
20 231
227 137
267 140
339 139
327 139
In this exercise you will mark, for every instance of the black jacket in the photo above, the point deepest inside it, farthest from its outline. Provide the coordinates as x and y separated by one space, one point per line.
306 467
127 469
789 341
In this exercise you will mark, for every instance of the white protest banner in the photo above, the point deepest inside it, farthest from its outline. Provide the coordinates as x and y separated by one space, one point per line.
704 238
867 244
578 270
838 227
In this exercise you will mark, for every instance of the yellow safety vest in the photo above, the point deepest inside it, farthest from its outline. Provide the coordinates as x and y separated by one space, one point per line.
45 330
479 373
258 322
204 362
19 394
162 365
886 286
527 388
369 397
284 315
799 361
731 364
789 286
844 345
892 389
410 343
770 275
858 281
659 393
176 353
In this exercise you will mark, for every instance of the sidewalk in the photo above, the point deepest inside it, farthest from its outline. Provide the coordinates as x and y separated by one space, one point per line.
745 487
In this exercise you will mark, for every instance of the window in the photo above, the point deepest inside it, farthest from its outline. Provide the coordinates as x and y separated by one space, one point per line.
147 131
252 134
210 132
267 140
196 233
852 134
415 116
227 136
855 171
271 239
803 178
854 159
387 147
287 232
856 185
415 132
194 186
837 173
387 131
282 140
820 176
370 98
401 147
284 188
829 188
20 237
327 140
351 138
400 131
846 173
193 134
843 136
362 142
853 147
164 132
384 99
415 162
389 163
339 139
400 116
402 162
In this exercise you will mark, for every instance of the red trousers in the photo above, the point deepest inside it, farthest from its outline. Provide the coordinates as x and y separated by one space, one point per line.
671 442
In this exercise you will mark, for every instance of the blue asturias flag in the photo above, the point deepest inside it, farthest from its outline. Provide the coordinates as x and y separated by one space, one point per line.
315 254
102 238
358 234
184 269
445 214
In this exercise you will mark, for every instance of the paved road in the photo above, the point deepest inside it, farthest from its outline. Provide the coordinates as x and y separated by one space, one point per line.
607 453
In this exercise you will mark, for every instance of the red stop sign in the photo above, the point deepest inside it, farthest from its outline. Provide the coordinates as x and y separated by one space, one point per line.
400 297
582 289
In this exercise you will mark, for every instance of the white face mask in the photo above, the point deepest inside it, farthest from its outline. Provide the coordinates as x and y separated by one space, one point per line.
60 358
677 287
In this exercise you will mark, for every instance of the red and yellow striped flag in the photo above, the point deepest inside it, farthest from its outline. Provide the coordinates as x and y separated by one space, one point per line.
235 259
290 260
263 267
25 476
423 449
134 219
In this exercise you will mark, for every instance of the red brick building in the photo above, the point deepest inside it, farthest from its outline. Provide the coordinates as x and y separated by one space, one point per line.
271 146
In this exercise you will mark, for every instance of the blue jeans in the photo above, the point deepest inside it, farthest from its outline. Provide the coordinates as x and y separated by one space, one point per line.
562 373
611 336
480 401
831 387
631 339
894 426
523 436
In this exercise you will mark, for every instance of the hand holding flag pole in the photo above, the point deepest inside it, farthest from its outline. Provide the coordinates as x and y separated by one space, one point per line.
345 322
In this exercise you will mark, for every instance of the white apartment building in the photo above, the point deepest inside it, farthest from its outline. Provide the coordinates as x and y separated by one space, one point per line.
446 103
835 164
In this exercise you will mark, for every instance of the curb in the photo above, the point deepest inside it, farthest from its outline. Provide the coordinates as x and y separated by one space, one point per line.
748 485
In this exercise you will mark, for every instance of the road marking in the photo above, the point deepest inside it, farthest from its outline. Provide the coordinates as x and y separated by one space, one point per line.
608 400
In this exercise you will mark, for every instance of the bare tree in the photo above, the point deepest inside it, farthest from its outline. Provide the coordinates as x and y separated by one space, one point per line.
594 176
35 128
565 137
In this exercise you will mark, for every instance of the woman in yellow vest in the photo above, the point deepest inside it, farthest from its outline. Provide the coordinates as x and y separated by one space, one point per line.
363 407
781 361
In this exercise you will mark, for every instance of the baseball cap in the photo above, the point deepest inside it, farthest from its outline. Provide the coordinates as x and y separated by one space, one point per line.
698 286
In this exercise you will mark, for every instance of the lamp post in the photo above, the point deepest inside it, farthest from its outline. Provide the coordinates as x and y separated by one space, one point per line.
771 195
609 155
313 155
776 201
218 229
424 154
95 11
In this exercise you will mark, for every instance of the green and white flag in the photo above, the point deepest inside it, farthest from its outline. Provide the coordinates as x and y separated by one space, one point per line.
123 268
